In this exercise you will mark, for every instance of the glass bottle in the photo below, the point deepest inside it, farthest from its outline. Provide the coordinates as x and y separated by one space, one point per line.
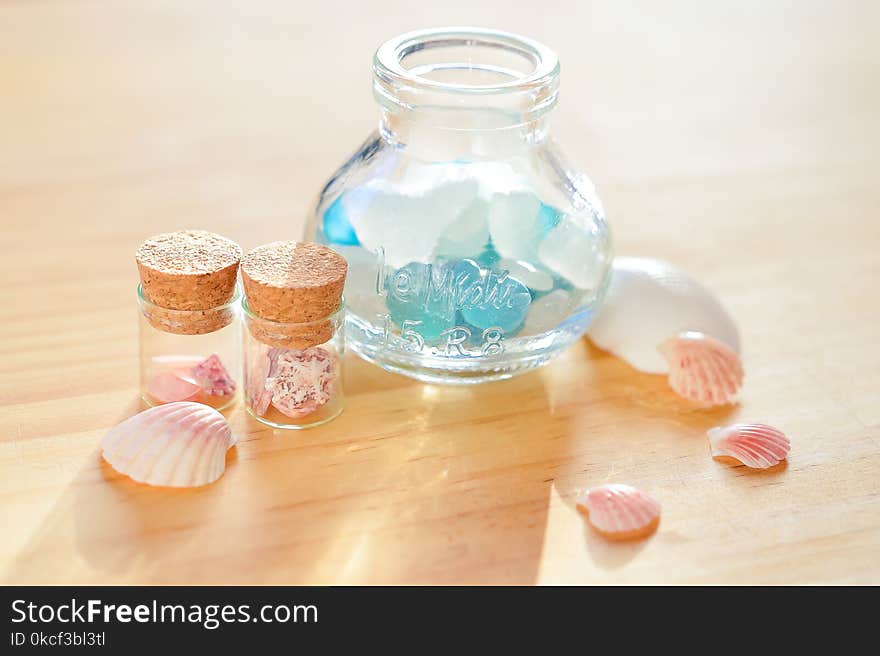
289 384
475 251
189 355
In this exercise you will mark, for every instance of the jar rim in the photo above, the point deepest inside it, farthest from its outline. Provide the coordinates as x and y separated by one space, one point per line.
388 60
250 314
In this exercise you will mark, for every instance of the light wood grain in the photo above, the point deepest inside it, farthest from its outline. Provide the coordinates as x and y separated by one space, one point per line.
739 140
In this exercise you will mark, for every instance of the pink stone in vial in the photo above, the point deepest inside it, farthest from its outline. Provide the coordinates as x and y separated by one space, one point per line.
168 388
213 378
260 362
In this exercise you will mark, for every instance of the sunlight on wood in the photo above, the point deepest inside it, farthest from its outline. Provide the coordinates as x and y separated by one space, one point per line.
738 141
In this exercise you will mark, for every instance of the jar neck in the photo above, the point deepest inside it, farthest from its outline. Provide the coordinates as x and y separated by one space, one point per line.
464 92
426 140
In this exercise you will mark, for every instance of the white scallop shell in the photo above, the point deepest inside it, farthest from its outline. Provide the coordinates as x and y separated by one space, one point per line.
702 369
180 444
755 445
650 301
620 511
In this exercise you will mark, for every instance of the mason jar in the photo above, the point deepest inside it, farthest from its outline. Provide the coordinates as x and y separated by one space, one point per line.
475 250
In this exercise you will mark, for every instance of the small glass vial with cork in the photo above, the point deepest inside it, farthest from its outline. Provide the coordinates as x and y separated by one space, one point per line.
189 328
294 337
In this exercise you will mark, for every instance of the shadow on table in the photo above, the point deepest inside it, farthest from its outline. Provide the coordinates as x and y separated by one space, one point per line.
413 483
105 528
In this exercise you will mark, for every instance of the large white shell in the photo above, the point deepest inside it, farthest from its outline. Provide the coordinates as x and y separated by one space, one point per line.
620 511
648 302
703 369
173 445
755 445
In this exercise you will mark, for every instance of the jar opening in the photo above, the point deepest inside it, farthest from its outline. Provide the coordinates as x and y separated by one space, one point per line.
466 68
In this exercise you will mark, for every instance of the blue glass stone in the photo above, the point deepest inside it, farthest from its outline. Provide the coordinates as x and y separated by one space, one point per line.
562 283
337 227
422 295
503 304
549 218
536 294
488 257
467 278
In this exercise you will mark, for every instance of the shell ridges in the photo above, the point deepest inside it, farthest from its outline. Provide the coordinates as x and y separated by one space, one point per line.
620 512
179 444
755 445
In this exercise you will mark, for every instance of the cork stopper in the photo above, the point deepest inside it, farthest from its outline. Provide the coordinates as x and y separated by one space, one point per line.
293 288
187 277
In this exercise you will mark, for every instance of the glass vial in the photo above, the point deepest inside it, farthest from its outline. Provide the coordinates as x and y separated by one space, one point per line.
189 328
189 355
289 381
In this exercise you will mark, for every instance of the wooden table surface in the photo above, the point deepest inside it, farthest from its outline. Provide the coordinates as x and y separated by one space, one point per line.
739 140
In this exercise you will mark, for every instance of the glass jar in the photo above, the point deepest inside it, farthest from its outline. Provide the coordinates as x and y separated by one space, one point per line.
293 372
189 355
475 250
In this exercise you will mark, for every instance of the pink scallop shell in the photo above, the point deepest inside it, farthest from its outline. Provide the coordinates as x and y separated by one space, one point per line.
173 445
621 512
703 369
755 445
